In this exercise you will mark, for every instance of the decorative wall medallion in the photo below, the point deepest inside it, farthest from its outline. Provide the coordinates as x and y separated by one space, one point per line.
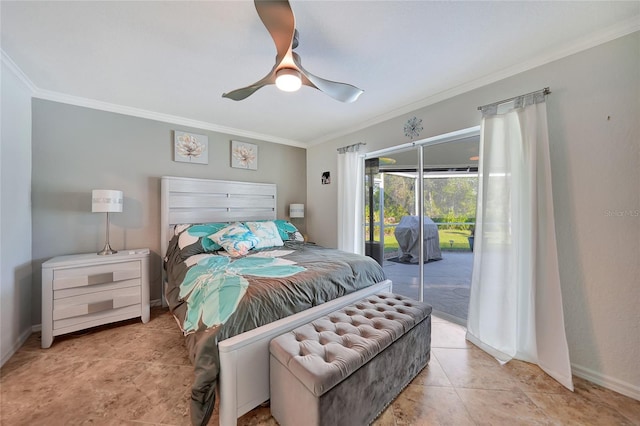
413 127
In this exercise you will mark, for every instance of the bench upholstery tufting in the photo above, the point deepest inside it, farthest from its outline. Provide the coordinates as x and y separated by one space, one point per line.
327 351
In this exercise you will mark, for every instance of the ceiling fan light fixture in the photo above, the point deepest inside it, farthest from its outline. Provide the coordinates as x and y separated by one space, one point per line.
288 79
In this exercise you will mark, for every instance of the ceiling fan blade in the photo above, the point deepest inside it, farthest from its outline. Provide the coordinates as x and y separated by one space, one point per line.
245 92
342 92
278 18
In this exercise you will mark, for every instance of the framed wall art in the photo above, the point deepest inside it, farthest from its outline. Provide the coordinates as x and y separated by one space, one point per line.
244 155
190 148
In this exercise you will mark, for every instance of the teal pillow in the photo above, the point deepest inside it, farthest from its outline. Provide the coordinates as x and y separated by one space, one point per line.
267 233
194 239
236 239
288 231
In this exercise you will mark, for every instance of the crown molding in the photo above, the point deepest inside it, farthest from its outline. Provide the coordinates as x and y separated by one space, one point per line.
618 30
158 116
15 69
50 95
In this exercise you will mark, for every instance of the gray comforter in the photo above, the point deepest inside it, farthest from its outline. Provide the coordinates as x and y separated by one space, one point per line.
325 274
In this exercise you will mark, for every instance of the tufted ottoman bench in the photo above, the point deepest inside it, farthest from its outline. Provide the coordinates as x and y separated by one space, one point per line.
346 367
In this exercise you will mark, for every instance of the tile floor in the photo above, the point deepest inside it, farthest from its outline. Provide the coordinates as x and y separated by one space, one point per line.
133 373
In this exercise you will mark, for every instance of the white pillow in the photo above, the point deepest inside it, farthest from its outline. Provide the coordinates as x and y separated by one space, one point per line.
236 239
267 233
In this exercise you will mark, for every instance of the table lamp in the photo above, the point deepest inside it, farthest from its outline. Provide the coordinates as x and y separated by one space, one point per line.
296 210
106 201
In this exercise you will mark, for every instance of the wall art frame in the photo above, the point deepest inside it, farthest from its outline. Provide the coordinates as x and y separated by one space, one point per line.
190 147
244 155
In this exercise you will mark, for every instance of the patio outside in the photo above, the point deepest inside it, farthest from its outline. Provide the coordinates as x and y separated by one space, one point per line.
449 201
447 282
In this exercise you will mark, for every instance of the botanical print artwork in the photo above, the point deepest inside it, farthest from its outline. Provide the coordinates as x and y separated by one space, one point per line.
244 155
191 148
413 127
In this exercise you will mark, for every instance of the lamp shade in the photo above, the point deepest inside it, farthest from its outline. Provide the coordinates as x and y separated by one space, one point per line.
296 210
106 201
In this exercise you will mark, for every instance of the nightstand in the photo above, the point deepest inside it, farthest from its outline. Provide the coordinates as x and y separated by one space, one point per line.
85 290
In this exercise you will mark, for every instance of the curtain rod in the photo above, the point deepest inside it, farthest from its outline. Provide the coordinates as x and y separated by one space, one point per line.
350 148
544 91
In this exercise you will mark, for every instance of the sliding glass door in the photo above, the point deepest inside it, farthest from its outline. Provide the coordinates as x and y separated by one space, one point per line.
391 211
419 216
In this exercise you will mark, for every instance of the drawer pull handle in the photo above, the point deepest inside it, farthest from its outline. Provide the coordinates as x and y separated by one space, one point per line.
106 277
100 306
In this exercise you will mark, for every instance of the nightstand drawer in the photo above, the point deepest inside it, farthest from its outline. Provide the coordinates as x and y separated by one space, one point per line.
68 325
77 291
95 302
94 275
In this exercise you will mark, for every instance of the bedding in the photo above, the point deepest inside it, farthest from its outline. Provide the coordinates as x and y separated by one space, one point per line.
215 296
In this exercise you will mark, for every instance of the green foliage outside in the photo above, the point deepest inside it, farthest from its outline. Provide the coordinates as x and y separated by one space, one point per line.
459 237
446 200
449 200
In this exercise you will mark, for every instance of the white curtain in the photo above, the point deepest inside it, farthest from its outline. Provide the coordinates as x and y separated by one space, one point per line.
350 200
515 307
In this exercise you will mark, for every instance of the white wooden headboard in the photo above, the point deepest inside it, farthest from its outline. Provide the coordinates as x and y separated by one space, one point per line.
189 200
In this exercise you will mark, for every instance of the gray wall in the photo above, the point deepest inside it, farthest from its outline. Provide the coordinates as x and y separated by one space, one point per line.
15 214
77 149
594 112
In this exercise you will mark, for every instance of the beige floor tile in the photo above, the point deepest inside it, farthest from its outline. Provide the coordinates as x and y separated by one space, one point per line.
448 335
571 408
133 373
629 407
387 418
473 368
498 407
425 405
531 378
171 383
260 416
432 375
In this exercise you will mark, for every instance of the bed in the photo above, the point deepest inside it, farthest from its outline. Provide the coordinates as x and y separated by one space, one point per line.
234 356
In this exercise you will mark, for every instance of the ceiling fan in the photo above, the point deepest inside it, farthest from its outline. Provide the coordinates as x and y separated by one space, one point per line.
287 73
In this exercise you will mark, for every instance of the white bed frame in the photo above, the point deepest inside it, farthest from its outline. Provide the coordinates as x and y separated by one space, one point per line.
244 359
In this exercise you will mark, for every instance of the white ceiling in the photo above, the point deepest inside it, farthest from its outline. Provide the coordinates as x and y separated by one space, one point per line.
177 58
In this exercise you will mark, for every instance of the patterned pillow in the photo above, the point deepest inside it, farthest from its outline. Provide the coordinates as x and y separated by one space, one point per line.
267 233
288 231
193 240
236 239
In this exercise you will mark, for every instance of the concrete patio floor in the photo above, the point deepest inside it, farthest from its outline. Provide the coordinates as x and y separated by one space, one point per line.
447 282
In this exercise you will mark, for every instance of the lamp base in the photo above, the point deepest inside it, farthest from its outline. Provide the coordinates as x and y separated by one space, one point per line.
107 250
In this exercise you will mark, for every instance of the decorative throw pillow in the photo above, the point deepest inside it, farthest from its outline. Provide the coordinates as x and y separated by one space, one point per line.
193 239
288 231
267 233
236 239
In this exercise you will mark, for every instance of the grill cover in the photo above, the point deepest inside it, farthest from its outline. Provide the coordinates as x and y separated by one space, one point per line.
408 235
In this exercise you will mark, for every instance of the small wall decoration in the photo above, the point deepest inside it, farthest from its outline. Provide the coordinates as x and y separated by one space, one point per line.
244 155
412 128
190 148
326 178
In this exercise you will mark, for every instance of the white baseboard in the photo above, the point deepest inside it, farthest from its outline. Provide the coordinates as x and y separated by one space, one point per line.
608 382
23 338
155 303
36 328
